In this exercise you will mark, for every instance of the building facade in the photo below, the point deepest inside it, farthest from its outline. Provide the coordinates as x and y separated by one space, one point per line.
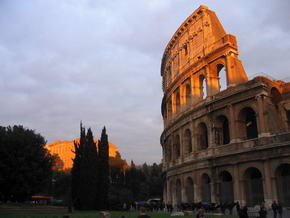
65 150
225 138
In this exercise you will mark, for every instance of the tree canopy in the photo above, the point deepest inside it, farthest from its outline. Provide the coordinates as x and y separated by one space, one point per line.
25 164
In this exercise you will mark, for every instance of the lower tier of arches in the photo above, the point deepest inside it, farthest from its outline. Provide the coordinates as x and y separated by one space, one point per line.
249 183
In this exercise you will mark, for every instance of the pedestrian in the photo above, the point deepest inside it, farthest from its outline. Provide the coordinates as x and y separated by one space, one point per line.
280 209
263 211
243 212
275 208
124 206
238 207
143 214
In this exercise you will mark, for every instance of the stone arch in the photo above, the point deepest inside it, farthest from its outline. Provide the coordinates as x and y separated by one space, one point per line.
178 192
253 186
187 141
205 188
202 136
222 76
226 188
177 147
202 86
222 131
282 175
248 123
189 190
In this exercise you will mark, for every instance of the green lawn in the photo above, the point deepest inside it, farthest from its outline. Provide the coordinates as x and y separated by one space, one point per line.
95 214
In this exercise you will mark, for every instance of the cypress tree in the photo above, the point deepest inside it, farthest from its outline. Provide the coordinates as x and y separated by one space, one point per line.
104 170
85 172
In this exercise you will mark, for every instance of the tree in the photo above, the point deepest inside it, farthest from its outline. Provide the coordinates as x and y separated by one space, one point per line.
104 170
156 181
85 173
25 165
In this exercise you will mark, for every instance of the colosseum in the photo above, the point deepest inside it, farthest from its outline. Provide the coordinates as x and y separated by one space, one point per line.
225 138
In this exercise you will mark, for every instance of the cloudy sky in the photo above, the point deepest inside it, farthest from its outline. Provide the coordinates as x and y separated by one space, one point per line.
63 61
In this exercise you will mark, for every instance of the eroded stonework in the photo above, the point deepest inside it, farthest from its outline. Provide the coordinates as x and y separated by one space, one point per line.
221 144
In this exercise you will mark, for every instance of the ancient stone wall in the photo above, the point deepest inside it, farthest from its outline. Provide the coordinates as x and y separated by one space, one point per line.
221 144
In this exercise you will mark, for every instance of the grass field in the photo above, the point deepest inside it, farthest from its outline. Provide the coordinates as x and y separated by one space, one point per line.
95 214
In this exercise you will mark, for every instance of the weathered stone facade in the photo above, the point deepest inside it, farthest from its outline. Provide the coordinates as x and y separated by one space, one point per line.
221 145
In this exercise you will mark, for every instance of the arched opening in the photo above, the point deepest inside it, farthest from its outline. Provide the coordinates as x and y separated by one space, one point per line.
283 184
189 190
177 147
202 136
222 131
203 87
177 100
187 141
178 192
188 93
226 190
205 188
248 121
253 186
222 75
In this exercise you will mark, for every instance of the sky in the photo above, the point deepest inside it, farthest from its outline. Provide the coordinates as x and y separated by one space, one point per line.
98 61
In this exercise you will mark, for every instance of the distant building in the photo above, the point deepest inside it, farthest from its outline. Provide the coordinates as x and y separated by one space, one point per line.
65 151
221 142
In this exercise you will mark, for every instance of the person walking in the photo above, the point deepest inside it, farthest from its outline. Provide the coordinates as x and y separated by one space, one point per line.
280 209
263 211
275 208
243 212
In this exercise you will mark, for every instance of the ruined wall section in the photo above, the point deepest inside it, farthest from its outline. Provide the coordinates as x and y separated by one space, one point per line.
192 60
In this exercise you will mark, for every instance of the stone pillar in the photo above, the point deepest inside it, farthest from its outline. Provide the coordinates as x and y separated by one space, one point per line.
243 193
212 80
173 97
195 86
182 96
212 192
197 191
207 88
168 192
183 191
230 73
181 141
232 124
267 184
237 184
263 130
235 70
274 187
